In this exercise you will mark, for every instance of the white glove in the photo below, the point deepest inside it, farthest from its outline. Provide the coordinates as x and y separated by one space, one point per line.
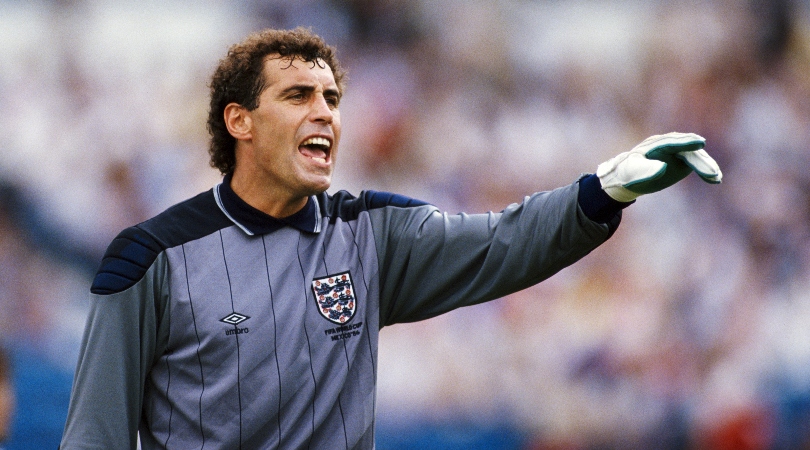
655 164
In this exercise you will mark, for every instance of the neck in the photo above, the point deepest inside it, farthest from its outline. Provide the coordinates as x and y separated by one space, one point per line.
266 198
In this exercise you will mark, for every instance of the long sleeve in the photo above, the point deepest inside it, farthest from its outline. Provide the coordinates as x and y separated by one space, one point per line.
431 263
119 346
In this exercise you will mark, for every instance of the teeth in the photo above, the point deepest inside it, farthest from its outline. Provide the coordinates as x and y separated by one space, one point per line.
320 160
318 141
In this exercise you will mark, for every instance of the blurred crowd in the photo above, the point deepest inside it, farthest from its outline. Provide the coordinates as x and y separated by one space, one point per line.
688 329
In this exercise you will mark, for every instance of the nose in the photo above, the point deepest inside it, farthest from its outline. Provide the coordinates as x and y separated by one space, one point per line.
321 111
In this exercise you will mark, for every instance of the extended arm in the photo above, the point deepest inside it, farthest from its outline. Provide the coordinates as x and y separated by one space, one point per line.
432 263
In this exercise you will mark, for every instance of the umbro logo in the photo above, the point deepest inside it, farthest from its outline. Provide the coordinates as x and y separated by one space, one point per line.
234 318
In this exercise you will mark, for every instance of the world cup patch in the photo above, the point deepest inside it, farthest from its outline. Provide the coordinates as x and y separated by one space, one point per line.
335 297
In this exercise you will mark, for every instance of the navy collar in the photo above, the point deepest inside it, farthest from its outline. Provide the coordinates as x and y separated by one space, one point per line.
252 221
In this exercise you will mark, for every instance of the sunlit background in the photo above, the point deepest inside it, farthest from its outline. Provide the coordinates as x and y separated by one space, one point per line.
689 329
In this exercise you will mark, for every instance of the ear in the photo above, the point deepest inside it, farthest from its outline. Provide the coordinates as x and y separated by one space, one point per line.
238 121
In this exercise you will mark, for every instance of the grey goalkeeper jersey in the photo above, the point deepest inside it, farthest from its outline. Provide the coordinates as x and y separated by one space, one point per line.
215 326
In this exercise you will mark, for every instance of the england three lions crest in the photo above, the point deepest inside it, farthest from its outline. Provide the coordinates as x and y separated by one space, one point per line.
335 297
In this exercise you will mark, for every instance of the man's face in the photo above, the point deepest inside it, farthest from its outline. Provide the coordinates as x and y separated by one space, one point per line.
296 127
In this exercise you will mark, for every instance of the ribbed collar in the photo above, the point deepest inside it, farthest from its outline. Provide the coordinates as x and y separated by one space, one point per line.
252 221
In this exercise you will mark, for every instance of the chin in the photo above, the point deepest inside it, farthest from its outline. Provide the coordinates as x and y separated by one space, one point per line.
319 187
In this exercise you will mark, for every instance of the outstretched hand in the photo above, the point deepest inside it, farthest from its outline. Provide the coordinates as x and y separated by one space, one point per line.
655 164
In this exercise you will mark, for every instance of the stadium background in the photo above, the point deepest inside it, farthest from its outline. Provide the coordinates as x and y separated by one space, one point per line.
688 329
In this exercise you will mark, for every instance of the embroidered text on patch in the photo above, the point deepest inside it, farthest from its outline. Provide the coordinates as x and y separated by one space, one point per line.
335 297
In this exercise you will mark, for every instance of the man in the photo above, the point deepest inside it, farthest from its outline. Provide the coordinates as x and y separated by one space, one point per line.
248 316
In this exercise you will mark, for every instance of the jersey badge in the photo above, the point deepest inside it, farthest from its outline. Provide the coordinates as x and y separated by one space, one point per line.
335 297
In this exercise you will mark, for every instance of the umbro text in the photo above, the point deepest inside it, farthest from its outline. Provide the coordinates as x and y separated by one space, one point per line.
236 331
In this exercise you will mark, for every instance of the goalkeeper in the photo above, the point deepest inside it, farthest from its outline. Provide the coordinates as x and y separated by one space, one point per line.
248 316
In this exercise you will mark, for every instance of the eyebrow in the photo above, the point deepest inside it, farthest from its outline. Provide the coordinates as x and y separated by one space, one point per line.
332 91
307 88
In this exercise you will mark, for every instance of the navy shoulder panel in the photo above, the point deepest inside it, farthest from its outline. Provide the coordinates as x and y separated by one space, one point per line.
347 207
134 250
376 199
184 222
127 259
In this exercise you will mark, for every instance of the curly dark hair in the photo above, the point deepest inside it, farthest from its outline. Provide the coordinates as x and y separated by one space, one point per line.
239 78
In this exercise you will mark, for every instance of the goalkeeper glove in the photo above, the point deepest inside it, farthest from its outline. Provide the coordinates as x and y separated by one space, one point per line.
655 164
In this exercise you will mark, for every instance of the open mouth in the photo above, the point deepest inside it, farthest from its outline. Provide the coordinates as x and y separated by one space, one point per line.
316 148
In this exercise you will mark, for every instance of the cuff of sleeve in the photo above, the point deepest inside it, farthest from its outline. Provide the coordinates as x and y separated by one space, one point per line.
595 203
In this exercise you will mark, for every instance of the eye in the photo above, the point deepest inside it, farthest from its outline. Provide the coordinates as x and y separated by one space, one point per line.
332 100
